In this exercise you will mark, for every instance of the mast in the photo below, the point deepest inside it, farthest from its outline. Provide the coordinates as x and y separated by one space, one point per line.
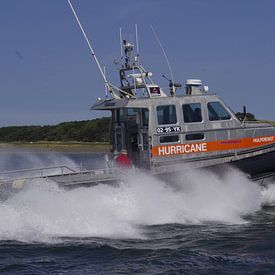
107 84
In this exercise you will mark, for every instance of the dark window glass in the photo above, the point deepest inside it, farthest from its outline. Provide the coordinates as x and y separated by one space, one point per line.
145 117
165 139
194 136
192 112
118 139
132 111
145 141
120 115
217 112
166 114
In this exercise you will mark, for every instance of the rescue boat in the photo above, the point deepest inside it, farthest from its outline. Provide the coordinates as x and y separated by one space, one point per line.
163 132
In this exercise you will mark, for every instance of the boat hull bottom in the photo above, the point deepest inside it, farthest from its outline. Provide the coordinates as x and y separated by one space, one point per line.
256 167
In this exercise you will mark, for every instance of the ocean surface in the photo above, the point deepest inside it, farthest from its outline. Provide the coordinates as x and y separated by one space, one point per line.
205 224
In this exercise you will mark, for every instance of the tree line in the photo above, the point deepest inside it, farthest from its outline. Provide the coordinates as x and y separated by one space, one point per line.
96 130
246 116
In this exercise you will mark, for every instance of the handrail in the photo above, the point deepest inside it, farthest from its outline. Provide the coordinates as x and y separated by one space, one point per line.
114 171
62 167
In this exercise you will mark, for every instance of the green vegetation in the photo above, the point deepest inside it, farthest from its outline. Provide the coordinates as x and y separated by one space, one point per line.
247 116
89 133
96 130
251 117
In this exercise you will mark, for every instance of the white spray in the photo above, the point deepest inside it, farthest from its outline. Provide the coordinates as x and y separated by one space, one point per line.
43 212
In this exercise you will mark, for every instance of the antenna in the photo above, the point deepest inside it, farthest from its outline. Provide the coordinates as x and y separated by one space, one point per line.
164 53
136 27
121 46
105 86
245 115
90 47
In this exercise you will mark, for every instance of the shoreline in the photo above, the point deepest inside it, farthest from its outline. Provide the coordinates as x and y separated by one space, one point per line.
89 147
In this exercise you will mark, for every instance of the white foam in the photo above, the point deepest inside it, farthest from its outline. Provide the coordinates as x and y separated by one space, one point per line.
268 194
42 211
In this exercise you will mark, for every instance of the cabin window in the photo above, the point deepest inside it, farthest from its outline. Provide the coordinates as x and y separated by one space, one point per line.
166 114
119 116
132 111
217 112
192 112
167 139
145 117
198 136
118 140
145 142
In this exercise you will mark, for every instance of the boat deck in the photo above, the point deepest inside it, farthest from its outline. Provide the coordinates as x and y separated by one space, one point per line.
88 178
62 175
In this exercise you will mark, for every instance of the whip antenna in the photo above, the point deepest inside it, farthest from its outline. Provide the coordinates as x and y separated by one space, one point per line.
137 46
90 47
164 53
121 46
105 86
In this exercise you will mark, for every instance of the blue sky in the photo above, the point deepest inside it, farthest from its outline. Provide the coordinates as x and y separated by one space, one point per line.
47 75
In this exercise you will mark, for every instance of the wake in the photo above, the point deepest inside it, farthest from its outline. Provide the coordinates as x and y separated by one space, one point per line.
43 212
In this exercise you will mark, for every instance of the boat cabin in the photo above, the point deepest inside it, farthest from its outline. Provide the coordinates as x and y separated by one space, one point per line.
161 130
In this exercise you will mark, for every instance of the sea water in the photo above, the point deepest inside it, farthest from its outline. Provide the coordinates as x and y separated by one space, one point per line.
204 223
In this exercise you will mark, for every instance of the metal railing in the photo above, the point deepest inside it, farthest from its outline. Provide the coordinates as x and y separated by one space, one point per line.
62 171
259 123
36 172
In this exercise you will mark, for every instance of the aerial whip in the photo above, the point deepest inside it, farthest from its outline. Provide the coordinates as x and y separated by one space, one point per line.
164 53
90 47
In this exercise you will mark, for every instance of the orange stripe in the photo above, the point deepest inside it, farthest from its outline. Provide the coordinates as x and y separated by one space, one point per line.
221 145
